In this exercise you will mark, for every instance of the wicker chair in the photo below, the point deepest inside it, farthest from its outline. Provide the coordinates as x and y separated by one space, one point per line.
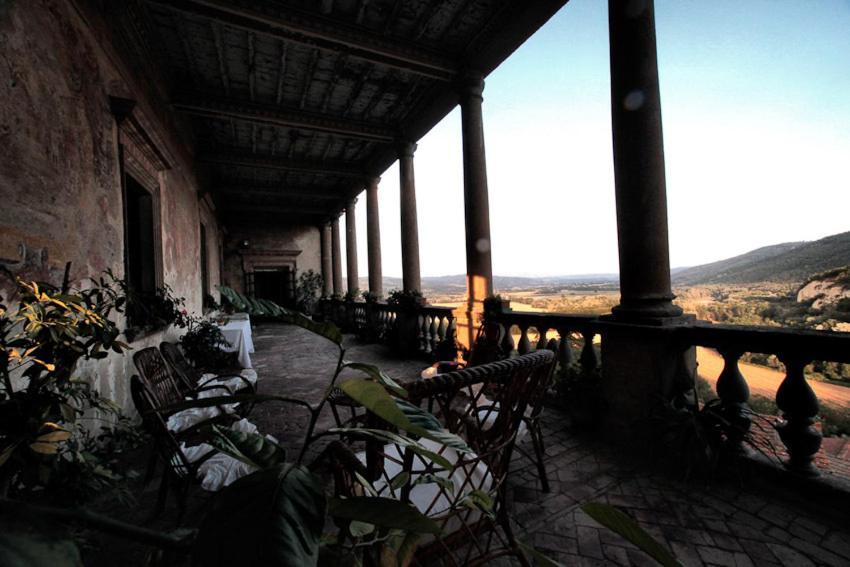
485 405
191 377
487 348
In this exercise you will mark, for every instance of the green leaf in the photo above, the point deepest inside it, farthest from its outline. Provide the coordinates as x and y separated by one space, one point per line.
37 550
379 376
360 529
382 512
400 480
390 437
444 482
619 523
539 558
251 448
325 329
479 500
419 417
270 517
377 400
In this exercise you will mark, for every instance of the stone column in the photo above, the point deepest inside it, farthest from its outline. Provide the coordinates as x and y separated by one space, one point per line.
373 236
337 258
641 366
327 261
640 185
479 268
351 249
409 228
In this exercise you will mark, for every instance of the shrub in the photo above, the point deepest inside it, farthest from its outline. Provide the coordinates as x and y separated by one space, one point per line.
307 291
203 344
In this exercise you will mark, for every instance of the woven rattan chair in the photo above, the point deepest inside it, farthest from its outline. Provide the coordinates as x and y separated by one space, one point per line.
470 535
191 376
487 348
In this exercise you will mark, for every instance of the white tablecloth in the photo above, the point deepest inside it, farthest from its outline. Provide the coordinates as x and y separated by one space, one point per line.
238 335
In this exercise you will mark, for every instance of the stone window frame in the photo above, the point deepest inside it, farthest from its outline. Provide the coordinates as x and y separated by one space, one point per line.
142 156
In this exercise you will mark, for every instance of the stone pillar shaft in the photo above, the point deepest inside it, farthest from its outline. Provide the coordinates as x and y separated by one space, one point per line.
409 227
337 258
476 200
327 261
351 249
373 237
640 185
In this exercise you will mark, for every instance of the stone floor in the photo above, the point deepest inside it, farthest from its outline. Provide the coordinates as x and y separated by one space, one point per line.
720 524
724 523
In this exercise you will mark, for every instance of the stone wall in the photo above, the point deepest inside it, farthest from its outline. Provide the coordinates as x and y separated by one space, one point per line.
298 246
60 165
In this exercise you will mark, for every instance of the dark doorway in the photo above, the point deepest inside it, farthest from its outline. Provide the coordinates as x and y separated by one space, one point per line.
275 285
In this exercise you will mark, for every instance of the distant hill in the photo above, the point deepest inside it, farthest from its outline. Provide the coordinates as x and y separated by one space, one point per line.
788 262
457 283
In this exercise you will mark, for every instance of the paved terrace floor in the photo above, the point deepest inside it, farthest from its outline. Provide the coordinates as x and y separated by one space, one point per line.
722 523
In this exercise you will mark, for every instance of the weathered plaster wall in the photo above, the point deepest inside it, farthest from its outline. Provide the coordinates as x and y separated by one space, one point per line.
60 189
305 239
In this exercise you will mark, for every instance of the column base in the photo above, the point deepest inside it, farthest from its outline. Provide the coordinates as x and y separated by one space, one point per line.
641 372
646 310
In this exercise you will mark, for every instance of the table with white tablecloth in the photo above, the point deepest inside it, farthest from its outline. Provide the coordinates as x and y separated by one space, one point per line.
237 333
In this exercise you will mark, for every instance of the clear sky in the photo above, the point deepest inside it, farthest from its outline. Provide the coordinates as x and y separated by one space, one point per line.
755 101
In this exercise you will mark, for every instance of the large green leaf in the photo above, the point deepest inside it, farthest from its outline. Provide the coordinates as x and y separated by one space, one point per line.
390 437
37 550
619 523
379 376
539 558
250 448
375 398
382 512
270 517
324 329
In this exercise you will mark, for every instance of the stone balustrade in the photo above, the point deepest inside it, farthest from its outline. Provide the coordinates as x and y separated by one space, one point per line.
794 348
429 325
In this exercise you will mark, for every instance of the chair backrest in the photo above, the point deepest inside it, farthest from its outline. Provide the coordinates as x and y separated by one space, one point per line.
186 373
160 383
485 406
164 441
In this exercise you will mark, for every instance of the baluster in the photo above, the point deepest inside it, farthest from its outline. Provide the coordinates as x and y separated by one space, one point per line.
734 393
799 406
524 343
420 331
541 339
426 333
552 344
507 345
565 351
444 328
434 332
588 353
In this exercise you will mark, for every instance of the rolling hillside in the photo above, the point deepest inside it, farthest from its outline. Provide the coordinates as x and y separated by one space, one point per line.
788 262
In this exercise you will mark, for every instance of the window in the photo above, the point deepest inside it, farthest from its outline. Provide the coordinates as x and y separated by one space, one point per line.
140 252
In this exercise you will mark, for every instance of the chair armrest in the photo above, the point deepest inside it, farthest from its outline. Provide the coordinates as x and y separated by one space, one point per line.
194 393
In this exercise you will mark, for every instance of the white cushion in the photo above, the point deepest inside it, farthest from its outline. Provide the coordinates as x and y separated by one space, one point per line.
221 470
466 478
185 419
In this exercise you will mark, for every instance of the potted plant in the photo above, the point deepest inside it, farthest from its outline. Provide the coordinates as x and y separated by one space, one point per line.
404 336
496 305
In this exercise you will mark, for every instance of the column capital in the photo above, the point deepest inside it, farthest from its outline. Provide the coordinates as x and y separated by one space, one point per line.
350 203
405 149
373 181
471 85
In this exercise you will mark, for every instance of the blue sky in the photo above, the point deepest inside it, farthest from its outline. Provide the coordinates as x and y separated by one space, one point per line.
756 109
